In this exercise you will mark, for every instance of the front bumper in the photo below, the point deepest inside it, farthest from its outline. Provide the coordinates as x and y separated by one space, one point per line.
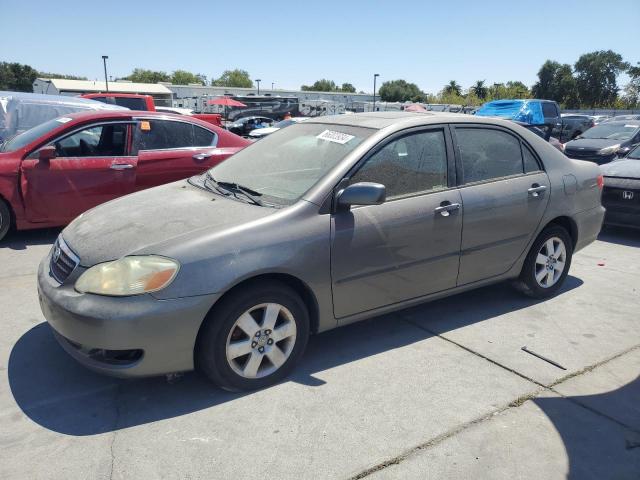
161 332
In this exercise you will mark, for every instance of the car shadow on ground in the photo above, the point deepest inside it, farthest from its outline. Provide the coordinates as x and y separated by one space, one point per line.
61 395
598 447
24 239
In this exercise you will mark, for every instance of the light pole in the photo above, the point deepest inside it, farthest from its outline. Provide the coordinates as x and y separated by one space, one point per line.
106 81
272 84
258 82
375 77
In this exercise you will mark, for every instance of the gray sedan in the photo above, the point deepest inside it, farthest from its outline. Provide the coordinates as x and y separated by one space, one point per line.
321 224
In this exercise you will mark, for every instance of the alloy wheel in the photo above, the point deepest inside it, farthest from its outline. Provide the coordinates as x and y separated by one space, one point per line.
261 340
550 262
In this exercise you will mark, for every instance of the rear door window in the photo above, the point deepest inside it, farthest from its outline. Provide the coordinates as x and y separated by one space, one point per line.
549 110
167 134
488 154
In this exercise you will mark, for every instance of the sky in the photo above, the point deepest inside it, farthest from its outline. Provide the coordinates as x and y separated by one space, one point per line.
291 43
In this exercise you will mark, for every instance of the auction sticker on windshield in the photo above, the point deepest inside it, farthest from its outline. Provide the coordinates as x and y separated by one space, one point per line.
336 137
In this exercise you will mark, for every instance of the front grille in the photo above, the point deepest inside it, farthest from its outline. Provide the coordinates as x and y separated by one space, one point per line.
590 155
621 199
63 260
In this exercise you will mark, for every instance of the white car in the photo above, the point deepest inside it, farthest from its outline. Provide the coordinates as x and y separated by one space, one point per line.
263 132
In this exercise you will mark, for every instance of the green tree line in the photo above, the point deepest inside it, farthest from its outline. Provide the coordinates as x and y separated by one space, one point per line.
591 82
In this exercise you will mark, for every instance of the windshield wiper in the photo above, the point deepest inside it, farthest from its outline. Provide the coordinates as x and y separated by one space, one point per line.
246 191
234 188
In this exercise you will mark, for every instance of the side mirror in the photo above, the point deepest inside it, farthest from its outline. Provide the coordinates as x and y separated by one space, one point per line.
363 193
46 153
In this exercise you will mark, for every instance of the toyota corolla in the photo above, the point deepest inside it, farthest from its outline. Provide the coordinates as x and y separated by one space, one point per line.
318 225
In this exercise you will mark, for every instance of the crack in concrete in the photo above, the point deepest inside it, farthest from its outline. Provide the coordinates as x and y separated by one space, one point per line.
513 404
115 431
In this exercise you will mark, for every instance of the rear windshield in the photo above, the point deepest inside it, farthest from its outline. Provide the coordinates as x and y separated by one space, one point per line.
25 138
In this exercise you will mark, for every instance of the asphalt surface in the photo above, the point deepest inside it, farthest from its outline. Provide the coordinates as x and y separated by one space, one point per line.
443 390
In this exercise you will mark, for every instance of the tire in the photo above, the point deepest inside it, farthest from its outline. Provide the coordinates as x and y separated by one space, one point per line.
238 351
5 219
543 280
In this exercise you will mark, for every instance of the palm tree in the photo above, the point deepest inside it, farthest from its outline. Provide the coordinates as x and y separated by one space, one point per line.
480 90
453 88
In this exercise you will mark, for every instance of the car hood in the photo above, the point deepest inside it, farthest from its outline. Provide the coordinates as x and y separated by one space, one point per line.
592 143
149 220
622 168
260 132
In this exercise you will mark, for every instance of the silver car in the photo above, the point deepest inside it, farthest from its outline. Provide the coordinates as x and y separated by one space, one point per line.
321 224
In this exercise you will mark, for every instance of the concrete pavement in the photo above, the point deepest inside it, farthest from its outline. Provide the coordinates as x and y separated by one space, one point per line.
438 391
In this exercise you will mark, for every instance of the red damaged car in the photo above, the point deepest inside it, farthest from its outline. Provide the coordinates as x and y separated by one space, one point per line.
61 168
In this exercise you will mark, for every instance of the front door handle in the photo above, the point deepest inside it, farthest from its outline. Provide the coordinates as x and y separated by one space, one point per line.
536 190
202 156
446 208
121 166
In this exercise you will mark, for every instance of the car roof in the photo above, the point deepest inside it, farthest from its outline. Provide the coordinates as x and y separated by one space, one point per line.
130 114
380 120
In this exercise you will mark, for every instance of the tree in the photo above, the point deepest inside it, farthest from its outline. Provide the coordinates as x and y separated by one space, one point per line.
400 91
596 74
17 77
631 98
453 88
141 75
322 85
556 82
233 78
480 89
182 77
347 87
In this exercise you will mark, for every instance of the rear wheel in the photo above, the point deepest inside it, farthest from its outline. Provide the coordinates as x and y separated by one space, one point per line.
5 219
254 338
547 263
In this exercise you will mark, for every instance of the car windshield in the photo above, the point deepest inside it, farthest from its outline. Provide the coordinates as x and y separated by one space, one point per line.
25 138
284 165
611 131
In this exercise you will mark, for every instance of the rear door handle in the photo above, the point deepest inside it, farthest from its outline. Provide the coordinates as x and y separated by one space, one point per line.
202 156
536 190
121 166
445 210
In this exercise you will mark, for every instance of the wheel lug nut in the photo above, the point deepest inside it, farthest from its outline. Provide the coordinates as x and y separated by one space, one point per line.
261 349
270 341
253 344
257 334
268 332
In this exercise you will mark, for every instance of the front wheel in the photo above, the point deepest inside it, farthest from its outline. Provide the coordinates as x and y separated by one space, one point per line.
254 338
547 264
5 219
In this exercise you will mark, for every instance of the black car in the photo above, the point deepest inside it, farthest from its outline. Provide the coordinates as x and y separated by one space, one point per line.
243 126
605 142
621 193
574 125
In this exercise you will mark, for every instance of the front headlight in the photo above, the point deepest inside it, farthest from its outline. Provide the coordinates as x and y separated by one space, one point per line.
128 276
609 150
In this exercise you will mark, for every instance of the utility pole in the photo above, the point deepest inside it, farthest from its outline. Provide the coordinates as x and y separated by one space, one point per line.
375 76
106 80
